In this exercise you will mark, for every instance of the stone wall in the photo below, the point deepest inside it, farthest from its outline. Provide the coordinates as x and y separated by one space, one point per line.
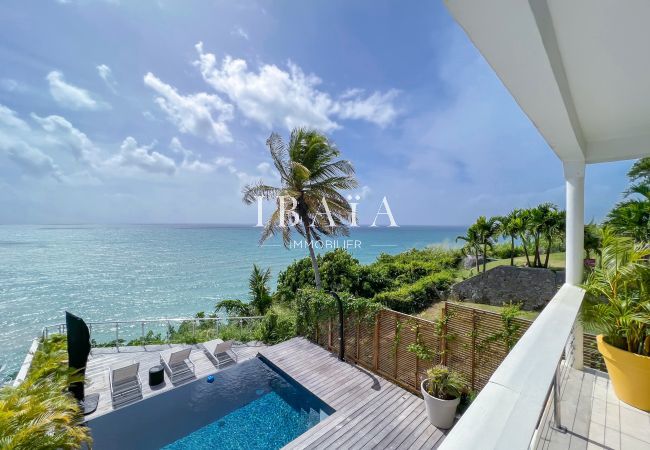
533 288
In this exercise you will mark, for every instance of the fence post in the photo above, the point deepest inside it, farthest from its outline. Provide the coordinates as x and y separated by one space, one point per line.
357 339
375 342
473 348
117 336
142 326
398 326
443 338
329 334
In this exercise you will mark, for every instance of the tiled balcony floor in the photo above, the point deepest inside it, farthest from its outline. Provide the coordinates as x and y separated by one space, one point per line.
594 417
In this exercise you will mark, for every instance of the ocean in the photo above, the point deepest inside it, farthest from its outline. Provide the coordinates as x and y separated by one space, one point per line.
131 272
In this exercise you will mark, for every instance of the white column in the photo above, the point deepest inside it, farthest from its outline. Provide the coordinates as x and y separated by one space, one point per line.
574 175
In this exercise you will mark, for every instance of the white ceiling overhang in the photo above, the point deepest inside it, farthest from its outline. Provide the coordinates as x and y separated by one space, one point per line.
580 69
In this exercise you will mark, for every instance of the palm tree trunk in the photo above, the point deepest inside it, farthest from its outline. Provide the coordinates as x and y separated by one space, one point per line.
548 252
484 256
523 241
478 267
312 254
538 261
512 250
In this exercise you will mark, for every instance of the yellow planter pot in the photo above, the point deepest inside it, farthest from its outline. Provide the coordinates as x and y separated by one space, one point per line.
629 373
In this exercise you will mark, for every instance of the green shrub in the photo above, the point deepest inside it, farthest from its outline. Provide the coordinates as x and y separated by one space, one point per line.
417 296
278 325
398 277
503 251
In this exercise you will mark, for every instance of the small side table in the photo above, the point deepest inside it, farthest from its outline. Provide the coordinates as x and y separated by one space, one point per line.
156 375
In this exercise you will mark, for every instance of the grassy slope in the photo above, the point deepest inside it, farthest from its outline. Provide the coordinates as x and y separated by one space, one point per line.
433 312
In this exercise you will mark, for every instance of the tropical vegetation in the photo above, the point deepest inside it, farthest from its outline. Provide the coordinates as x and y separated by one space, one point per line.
533 232
407 282
311 177
40 413
631 217
619 293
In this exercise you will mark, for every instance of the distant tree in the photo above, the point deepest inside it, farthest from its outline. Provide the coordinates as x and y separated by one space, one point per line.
310 173
592 239
472 244
259 289
519 226
487 230
508 227
234 308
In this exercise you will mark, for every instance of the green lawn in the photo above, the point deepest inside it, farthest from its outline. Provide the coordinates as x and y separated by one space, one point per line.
433 312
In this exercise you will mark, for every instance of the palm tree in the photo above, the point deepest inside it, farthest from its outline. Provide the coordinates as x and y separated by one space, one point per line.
508 226
519 226
553 228
259 290
487 230
311 174
622 278
472 244
631 217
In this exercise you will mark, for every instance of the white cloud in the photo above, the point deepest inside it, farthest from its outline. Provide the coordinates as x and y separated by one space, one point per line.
276 97
377 108
263 167
193 113
239 31
16 143
106 74
70 96
190 162
63 133
142 157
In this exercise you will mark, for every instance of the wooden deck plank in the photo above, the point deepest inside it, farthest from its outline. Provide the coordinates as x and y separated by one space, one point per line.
369 409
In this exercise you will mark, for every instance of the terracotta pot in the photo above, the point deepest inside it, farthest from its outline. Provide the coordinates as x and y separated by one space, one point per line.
629 373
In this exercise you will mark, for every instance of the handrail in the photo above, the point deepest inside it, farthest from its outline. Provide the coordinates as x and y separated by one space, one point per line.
61 327
507 411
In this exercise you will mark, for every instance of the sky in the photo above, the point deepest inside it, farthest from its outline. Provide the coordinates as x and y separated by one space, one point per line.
158 111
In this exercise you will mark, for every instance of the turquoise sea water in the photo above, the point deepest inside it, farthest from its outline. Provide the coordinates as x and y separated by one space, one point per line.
146 271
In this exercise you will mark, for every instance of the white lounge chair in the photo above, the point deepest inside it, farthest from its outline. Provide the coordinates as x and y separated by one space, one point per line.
220 353
177 364
125 384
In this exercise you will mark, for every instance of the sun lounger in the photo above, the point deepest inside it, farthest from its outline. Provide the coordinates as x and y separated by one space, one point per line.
177 364
125 384
220 353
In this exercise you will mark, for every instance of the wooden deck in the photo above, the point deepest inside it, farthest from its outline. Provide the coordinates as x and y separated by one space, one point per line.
594 417
101 359
370 411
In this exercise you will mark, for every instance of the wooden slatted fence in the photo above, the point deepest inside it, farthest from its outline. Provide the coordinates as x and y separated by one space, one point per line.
469 340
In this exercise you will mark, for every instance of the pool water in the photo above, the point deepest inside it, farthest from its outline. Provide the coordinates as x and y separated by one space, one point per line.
268 422
248 406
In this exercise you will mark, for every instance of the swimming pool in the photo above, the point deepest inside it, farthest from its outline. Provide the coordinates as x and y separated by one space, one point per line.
248 406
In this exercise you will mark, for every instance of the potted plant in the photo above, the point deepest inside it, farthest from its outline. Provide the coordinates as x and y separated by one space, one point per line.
619 307
442 389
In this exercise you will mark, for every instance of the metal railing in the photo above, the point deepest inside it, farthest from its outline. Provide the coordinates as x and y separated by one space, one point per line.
117 331
509 410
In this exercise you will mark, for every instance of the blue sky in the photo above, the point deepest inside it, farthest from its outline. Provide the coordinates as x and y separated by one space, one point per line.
157 111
